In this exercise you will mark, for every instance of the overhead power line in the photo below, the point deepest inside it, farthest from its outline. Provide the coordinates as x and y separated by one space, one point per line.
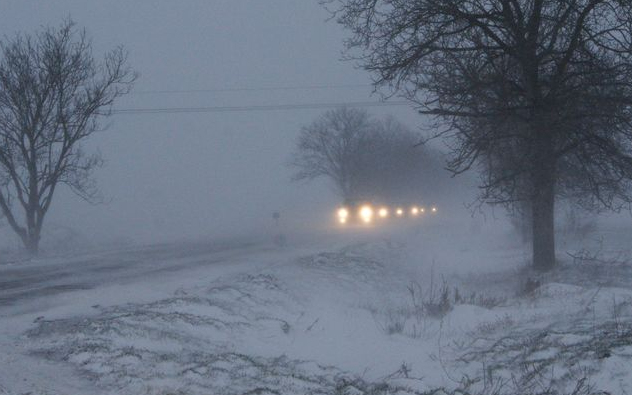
273 107
254 89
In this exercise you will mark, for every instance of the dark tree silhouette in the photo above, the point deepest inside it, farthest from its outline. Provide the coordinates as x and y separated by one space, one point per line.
536 93
395 168
365 158
332 146
52 96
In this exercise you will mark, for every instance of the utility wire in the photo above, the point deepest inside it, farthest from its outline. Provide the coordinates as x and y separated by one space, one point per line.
273 107
259 89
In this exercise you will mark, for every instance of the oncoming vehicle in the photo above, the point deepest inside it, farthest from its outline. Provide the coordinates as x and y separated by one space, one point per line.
368 213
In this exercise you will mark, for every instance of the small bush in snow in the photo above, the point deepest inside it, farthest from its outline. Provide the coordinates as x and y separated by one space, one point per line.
438 301
417 315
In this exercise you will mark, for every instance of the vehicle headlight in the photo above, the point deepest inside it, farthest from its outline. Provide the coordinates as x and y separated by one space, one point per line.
366 214
399 212
434 209
383 213
343 215
414 211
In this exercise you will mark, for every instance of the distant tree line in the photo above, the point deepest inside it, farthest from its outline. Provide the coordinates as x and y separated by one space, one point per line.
368 158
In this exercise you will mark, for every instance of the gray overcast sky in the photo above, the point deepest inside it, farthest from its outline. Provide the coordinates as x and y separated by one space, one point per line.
185 175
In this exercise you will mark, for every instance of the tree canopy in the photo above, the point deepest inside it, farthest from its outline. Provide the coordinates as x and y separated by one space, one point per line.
536 94
366 158
53 94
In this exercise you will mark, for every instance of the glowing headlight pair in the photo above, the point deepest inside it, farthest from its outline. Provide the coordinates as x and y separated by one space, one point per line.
366 214
343 215
416 210
383 212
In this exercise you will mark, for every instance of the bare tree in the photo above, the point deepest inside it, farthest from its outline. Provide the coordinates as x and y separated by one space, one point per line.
396 168
537 93
367 158
332 147
52 95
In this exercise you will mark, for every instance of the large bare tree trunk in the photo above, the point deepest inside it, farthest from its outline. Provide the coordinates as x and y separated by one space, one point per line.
544 227
31 243
31 236
543 204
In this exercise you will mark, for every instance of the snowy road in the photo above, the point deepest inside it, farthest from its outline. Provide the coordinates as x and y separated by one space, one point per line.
332 314
86 287
27 281
54 287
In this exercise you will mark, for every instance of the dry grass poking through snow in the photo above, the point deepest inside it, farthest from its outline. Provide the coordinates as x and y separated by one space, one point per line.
186 345
559 339
419 311
544 338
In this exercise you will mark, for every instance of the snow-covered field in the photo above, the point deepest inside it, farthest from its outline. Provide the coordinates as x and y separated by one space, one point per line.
436 309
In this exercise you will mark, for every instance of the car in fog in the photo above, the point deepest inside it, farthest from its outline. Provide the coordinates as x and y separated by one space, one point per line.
364 212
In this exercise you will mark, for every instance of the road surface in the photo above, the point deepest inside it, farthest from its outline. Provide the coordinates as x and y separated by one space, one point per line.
40 278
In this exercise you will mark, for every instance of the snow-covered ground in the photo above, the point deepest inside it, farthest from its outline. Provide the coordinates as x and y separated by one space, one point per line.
434 309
